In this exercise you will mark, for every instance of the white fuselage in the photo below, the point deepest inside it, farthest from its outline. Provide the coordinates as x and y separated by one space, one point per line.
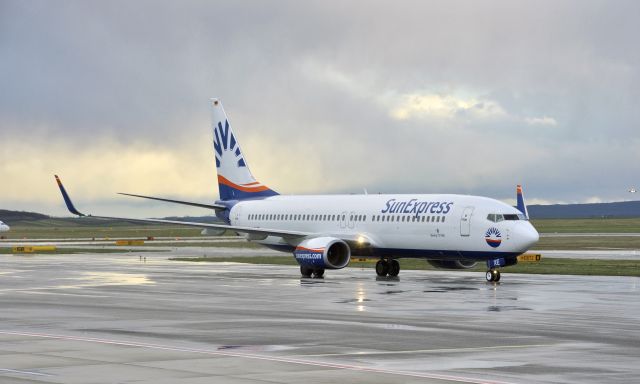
3 227
430 226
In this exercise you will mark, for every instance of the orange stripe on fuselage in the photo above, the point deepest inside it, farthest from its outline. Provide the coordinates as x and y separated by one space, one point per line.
223 180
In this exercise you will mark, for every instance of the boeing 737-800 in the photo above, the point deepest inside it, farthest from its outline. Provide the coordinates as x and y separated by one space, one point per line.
4 227
325 231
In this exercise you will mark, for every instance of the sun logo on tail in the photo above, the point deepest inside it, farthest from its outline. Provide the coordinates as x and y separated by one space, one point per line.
225 142
493 237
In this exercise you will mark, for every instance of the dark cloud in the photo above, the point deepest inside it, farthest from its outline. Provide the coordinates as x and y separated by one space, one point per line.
554 87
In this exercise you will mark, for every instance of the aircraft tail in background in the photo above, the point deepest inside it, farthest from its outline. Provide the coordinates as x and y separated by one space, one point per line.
522 207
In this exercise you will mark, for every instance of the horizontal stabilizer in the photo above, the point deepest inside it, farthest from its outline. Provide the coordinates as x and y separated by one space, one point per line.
208 206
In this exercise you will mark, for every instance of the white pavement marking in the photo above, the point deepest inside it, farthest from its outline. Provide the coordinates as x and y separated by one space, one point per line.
23 372
424 351
278 359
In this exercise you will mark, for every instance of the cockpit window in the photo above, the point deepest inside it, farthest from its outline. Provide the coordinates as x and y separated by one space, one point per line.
497 217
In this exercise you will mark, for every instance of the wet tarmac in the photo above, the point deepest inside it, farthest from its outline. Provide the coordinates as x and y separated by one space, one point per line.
111 318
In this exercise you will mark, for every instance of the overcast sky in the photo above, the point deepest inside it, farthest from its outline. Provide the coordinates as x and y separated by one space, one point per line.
466 97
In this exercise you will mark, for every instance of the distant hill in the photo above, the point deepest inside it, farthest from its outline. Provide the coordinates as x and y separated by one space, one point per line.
13 216
22 217
584 211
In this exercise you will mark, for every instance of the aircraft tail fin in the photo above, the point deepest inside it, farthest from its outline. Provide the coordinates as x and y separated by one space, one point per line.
235 181
522 207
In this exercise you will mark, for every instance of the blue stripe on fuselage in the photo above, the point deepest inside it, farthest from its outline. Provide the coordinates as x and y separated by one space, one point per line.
427 254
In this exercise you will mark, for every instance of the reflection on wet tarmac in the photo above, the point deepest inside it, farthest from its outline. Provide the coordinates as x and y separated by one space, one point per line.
502 308
451 289
93 279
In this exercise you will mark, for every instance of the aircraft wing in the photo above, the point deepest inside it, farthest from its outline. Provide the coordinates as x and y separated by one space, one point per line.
217 207
237 228
260 231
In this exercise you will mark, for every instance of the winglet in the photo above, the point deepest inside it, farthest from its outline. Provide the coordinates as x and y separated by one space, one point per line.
520 202
66 198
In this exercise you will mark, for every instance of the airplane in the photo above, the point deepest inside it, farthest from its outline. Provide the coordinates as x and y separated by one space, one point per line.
4 227
325 231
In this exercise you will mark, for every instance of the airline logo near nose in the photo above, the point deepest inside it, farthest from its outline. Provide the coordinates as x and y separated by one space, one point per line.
493 237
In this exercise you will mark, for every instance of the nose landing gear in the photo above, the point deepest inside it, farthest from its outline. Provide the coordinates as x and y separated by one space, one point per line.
493 275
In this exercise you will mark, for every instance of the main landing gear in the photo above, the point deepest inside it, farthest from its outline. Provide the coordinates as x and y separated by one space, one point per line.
493 275
307 272
387 268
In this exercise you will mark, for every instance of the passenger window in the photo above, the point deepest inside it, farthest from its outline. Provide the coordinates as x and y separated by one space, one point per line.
442 219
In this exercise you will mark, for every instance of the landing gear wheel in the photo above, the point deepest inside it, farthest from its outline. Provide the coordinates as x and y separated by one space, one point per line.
394 268
306 271
382 268
493 275
318 274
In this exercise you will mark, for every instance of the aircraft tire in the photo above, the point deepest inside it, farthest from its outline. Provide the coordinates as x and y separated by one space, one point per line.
493 275
318 273
382 268
305 271
394 268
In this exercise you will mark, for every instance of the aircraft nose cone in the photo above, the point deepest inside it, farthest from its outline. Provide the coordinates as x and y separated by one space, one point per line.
529 236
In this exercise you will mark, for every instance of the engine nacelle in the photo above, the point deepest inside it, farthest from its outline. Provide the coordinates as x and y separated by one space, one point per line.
323 252
213 232
452 264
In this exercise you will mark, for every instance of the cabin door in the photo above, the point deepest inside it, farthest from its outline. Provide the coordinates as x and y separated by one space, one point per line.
465 221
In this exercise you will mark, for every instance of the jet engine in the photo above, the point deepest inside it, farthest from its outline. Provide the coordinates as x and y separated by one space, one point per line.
452 264
323 253
213 232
